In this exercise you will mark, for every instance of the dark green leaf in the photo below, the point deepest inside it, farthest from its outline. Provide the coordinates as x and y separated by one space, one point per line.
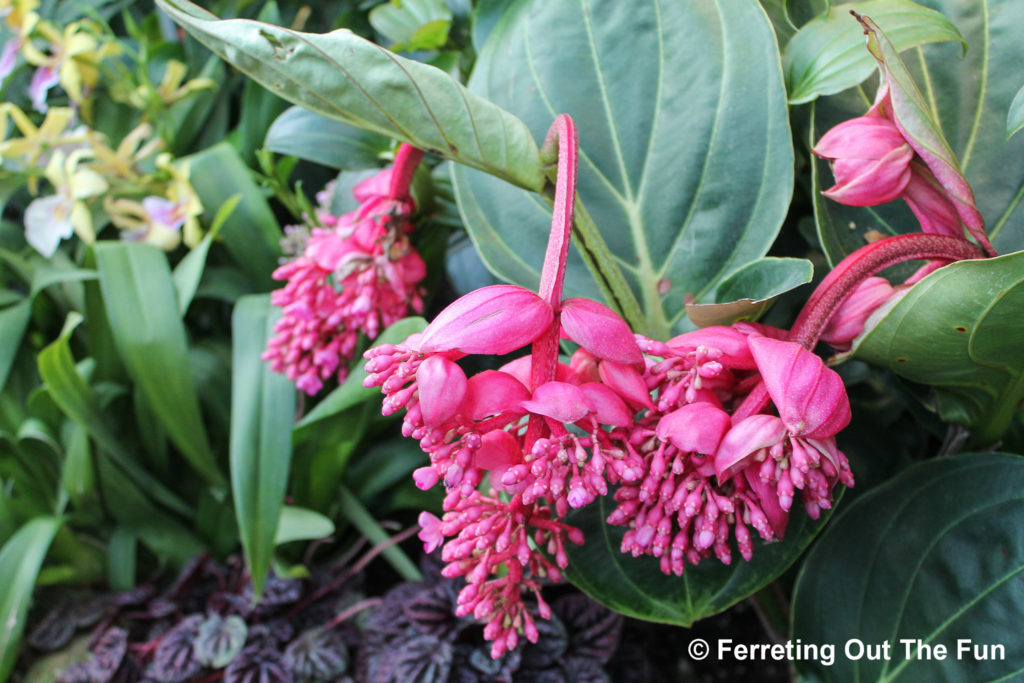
142 307
189 271
827 55
349 79
70 392
262 413
636 587
13 323
20 560
251 233
935 555
748 292
314 137
1015 117
959 330
686 160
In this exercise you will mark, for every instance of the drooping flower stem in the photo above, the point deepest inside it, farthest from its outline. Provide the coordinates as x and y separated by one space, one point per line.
545 349
406 161
862 264
840 283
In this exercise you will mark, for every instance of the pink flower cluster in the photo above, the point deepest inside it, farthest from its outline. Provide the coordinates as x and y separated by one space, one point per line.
706 434
356 274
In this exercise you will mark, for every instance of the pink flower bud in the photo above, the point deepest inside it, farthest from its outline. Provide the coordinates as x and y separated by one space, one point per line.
491 320
599 330
931 204
870 161
442 385
848 321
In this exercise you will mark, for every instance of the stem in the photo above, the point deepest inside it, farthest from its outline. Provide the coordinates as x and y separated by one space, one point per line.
840 283
368 526
406 161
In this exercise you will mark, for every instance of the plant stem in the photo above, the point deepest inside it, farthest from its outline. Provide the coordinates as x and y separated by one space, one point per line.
368 526
406 161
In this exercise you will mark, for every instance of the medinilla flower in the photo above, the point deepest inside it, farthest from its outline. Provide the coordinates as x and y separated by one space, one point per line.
795 450
870 160
358 274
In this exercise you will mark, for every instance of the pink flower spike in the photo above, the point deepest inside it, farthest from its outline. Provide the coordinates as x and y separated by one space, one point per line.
606 405
747 437
695 428
492 392
810 398
492 320
559 400
600 330
442 385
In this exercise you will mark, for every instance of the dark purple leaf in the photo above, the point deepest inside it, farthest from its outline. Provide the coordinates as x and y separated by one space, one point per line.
76 673
551 644
133 597
108 653
174 660
194 568
317 654
422 659
158 608
258 665
91 610
494 670
277 592
430 612
594 630
219 640
55 629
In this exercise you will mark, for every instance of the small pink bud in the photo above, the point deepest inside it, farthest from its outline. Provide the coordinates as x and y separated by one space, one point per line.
442 385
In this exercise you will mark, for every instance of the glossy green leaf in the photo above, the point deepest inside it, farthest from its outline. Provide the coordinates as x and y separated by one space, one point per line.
189 271
969 96
361 519
748 292
686 158
76 399
959 330
354 81
352 392
300 524
934 555
259 107
827 55
413 24
20 561
486 14
262 412
1015 117
142 306
13 323
315 137
251 233
636 587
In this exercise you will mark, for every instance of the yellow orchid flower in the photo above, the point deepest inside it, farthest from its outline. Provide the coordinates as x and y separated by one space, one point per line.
170 89
73 60
36 144
121 163
181 193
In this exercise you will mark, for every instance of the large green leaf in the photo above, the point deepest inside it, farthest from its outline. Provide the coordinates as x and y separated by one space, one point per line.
413 24
262 412
960 330
746 293
637 588
315 137
827 55
686 161
935 555
1015 117
969 96
20 560
342 76
142 306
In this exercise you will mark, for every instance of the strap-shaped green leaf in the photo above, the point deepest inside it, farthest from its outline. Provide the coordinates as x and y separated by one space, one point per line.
262 412
347 78
142 306
20 560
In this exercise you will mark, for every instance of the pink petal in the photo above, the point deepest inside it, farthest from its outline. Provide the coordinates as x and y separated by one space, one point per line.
627 382
600 330
810 398
865 182
731 342
558 400
374 186
584 364
522 367
766 494
848 321
606 405
442 386
498 449
748 436
695 428
493 392
865 137
931 205
494 320
44 78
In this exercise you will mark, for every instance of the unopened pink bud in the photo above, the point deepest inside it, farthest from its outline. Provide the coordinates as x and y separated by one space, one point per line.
870 161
